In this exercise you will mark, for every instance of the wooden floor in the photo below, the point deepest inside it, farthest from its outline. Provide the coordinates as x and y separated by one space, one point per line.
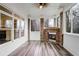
35 48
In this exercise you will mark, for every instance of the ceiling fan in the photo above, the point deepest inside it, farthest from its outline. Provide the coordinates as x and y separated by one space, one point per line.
41 5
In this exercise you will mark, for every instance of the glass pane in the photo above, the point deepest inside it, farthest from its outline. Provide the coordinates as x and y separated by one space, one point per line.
16 34
75 16
16 28
5 30
6 21
22 25
68 21
55 22
46 23
51 23
35 25
58 22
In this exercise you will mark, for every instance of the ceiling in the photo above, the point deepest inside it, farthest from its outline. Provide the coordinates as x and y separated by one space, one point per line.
28 9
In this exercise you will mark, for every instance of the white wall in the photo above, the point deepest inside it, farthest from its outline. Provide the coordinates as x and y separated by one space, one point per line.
71 43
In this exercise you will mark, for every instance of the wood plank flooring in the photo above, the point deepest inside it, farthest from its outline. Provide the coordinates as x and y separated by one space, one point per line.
61 50
35 48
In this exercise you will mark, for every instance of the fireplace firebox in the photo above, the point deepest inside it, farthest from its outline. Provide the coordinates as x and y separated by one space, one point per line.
2 36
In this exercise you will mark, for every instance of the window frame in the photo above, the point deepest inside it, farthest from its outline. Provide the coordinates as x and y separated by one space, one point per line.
70 33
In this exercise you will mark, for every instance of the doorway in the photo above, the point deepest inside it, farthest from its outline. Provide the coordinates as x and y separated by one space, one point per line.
33 29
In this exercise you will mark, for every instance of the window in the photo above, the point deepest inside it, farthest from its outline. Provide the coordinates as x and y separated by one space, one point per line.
35 25
5 28
46 23
51 23
22 27
8 23
75 15
72 19
68 21
22 24
16 28
18 24
58 21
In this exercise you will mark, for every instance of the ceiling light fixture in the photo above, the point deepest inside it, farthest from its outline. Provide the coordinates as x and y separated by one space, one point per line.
41 5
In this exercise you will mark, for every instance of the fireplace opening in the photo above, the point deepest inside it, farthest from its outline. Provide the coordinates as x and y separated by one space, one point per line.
2 36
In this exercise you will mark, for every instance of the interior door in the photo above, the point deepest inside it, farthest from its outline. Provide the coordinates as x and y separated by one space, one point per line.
34 29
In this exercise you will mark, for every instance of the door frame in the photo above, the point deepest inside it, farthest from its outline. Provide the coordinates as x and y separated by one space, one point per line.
29 29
